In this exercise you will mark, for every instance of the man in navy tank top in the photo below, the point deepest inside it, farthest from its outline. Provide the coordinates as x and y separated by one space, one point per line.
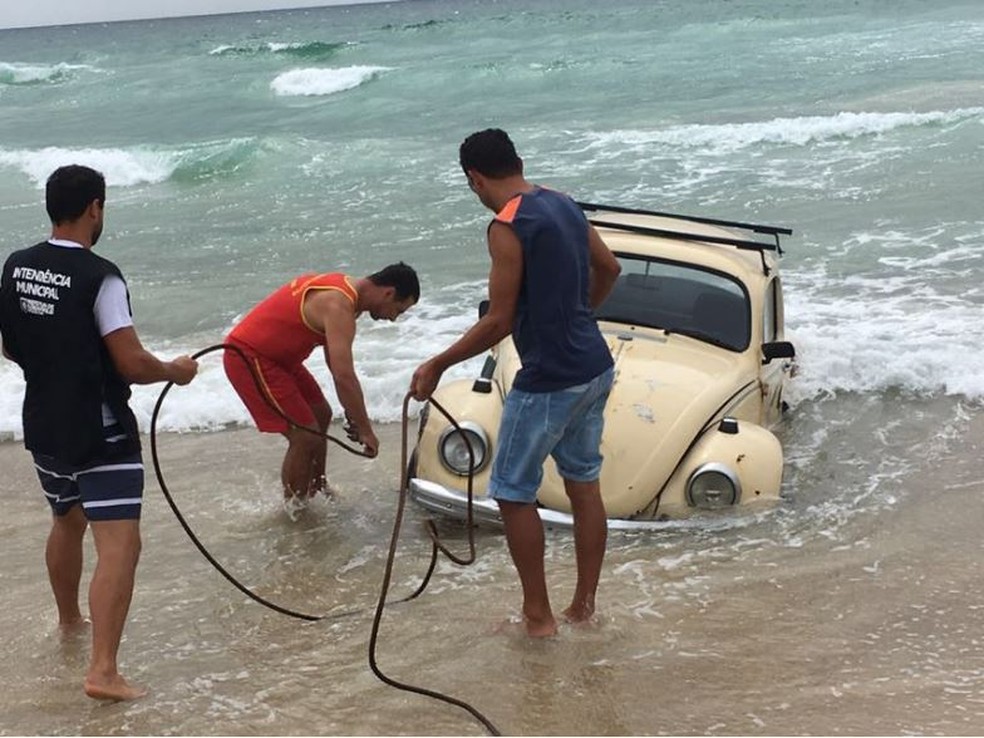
550 268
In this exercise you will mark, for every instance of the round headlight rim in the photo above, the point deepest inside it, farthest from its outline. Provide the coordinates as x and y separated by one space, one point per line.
720 468
466 426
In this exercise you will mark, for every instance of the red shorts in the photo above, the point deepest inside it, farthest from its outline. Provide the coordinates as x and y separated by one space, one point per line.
291 389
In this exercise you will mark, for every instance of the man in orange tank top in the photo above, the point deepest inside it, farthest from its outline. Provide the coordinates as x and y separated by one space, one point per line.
279 333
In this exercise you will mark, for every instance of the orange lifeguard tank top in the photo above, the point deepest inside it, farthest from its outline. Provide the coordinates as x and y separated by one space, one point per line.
276 328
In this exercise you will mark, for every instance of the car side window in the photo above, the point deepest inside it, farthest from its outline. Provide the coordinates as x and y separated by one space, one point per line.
769 324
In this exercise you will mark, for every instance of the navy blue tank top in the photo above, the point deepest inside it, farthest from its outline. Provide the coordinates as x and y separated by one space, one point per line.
554 330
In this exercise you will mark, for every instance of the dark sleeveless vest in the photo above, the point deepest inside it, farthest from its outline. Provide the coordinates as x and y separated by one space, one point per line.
554 329
47 296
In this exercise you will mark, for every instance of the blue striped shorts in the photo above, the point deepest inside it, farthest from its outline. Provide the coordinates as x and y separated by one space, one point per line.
108 489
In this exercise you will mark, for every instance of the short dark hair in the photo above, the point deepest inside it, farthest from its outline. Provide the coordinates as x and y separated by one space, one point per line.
70 190
490 152
399 276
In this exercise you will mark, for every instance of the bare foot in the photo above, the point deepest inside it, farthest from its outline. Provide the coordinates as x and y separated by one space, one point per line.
541 628
74 629
509 626
580 615
115 688
330 491
524 626
320 486
294 506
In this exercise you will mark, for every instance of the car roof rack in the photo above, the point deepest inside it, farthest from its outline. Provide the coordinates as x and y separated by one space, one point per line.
774 231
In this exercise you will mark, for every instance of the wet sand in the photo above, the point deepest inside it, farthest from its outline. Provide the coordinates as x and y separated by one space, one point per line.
783 624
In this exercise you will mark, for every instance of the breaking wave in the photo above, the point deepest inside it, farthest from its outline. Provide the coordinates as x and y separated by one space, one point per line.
727 138
316 81
18 74
312 50
139 165
913 326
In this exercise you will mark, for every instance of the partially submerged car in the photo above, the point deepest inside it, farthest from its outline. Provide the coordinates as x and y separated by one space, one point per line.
695 326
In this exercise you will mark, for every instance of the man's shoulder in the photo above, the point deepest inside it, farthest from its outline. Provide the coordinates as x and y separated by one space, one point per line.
547 201
105 263
46 250
549 193
99 266
329 307
25 253
334 296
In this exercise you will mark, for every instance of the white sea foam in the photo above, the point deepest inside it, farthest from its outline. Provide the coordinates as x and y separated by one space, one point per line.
883 336
902 342
896 329
386 355
323 81
275 47
858 334
911 326
124 167
313 49
727 138
121 167
16 73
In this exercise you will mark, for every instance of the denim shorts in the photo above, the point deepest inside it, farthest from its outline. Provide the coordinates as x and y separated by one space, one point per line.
565 424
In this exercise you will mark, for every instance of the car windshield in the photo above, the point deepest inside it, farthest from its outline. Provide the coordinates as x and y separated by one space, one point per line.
679 298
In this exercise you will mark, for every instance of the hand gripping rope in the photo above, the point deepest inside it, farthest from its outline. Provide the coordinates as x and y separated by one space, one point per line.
436 544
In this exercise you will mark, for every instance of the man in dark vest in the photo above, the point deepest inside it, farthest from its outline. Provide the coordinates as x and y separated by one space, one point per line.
65 319
549 269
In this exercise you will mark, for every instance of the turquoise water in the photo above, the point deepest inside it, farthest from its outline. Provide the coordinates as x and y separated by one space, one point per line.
243 149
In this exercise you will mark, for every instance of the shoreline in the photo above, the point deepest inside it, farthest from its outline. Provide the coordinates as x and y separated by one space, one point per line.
241 448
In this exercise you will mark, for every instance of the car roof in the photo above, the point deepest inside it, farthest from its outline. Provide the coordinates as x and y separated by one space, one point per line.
698 241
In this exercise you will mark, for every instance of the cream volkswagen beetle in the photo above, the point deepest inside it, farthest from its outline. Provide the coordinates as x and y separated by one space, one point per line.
695 325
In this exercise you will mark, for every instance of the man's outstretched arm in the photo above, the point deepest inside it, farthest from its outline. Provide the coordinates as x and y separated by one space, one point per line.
138 366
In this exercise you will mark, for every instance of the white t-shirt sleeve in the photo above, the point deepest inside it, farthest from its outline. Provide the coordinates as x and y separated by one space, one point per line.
112 309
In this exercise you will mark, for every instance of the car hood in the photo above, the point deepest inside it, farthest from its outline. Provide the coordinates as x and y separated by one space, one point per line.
667 388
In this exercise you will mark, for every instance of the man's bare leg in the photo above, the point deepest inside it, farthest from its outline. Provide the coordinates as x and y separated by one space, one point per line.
118 550
299 462
590 538
63 556
319 481
524 534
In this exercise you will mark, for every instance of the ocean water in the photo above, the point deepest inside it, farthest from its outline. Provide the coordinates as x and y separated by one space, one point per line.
242 150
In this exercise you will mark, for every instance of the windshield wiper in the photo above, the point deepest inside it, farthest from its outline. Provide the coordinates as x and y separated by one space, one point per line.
707 338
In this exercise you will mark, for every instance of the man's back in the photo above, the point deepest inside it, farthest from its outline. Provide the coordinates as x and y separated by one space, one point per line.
46 308
554 330
276 327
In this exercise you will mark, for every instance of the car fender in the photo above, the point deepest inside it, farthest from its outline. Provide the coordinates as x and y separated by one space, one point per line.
752 453
463 404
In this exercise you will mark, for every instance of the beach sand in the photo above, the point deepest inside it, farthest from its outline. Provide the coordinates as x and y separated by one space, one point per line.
818 622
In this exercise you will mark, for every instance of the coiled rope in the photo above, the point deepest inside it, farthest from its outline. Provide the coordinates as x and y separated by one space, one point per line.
436 544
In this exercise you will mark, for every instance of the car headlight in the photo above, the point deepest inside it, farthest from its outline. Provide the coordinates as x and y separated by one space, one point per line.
454 451
713 486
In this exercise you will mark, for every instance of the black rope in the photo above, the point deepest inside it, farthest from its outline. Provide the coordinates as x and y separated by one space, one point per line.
181 519
436 544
